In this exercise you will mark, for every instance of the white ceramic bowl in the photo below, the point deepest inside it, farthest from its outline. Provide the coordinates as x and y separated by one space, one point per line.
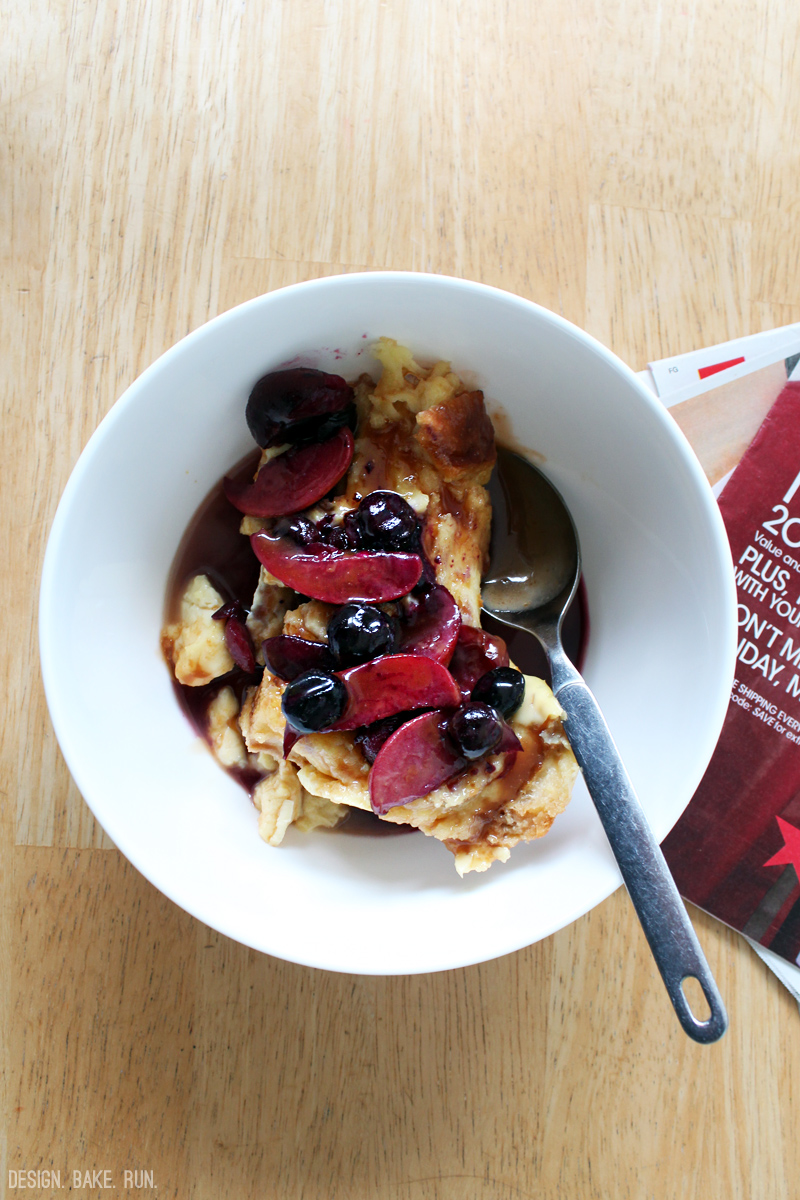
661 602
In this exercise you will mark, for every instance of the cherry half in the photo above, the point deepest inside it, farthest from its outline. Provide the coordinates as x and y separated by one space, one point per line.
371 737
294 480
291 405
476 653
392 684
433 627
288 656
337 576
413 761
237 635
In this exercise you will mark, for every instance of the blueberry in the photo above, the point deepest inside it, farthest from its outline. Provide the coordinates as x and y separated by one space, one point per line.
385 521
359 632
502 688
338 536
314 701
298 529
475 728
350 526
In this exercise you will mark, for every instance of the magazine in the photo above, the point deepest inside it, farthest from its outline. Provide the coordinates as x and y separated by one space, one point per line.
735 852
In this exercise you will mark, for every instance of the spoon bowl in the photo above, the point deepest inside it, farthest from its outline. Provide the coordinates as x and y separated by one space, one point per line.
535 552
533 574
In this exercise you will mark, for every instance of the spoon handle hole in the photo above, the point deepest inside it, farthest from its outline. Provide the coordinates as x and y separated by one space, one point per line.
696 999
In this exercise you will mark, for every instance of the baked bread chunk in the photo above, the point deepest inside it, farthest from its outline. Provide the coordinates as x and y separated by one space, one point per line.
422 434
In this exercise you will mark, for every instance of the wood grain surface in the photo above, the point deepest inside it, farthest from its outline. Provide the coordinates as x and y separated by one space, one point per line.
631 166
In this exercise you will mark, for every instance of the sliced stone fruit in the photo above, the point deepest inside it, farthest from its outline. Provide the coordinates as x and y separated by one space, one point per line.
237 635
294 480
337 576
476 653
509 742
292 405
415 760
395 683
432 629
288 656
371 737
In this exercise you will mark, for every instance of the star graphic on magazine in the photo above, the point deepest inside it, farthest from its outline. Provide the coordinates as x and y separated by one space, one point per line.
790 851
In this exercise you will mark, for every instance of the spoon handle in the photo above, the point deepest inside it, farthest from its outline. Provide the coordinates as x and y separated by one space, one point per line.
652 889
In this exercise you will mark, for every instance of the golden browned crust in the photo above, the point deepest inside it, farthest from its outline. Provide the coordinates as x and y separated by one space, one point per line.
458 438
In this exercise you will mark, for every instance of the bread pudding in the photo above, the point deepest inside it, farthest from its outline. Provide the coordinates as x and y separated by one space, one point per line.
359 677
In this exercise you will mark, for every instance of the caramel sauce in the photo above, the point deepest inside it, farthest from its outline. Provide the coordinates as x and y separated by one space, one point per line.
516 771
381 458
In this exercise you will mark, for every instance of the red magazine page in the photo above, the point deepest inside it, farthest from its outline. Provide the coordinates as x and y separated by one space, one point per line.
736 850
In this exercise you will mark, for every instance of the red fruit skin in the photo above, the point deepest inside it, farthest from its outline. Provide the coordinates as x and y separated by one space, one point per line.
433 629
476 653
509 742
240 644
290 736
412 762
288 656
337 576
371 737
395 683
294 480
294 396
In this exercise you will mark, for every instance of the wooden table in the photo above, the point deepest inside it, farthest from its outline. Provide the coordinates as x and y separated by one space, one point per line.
634 167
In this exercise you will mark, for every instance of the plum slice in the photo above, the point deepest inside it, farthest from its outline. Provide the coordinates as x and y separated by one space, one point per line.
476 653
288 656
433 627
337 576
395 683
413 761
294 480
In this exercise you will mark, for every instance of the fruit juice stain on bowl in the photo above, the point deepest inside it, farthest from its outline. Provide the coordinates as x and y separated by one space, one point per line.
212 545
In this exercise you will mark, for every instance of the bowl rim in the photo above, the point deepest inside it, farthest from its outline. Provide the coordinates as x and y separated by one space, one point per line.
94 445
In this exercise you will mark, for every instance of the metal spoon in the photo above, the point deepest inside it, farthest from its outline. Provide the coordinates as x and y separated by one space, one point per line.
533 575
